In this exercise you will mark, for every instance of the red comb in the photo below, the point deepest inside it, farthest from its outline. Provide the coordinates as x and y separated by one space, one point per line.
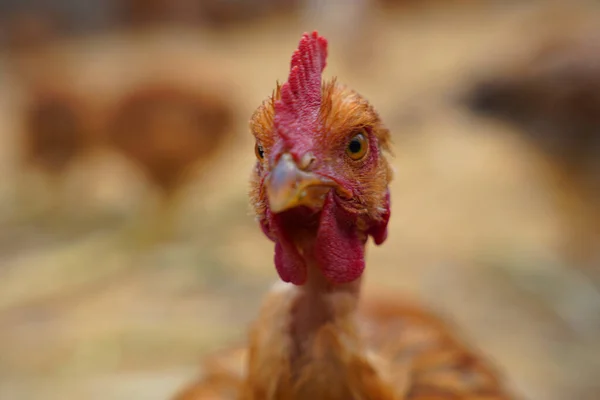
300 99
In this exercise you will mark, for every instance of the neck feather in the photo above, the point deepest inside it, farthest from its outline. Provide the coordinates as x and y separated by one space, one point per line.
319 303
306 344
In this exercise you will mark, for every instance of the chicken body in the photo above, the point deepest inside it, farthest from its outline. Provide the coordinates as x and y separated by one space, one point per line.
387 350
57 132
56 114
166 129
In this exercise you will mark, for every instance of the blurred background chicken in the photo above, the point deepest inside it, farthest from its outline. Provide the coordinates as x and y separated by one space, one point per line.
169 129
125 322
551 97
56 131
54 122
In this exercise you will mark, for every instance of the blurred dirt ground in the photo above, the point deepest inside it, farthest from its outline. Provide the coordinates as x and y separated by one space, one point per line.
85 314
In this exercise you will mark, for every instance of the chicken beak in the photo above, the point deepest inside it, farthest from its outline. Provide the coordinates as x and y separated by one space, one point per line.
288 186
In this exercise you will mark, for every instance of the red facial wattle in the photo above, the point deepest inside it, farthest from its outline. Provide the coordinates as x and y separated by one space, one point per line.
338 248
378 229
289 263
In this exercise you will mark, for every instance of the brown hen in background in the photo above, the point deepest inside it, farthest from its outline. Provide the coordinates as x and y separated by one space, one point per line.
553 99
55 118
167 130
54 130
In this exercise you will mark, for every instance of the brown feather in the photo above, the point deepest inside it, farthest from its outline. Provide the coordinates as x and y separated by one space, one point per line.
400 352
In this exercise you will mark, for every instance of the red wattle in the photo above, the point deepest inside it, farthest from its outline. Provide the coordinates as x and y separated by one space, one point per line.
379 230
290 265
339 251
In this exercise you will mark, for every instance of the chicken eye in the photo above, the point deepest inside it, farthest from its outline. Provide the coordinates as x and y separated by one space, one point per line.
260 152
357 147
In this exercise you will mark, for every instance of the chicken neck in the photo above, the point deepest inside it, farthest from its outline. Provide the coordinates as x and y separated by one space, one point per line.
317 304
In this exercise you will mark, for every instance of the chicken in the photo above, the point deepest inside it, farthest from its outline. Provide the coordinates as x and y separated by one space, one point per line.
54 124
57 131
553 101
56 118
167 129
320 190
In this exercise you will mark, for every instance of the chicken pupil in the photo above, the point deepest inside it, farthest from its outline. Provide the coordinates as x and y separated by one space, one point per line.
355 146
